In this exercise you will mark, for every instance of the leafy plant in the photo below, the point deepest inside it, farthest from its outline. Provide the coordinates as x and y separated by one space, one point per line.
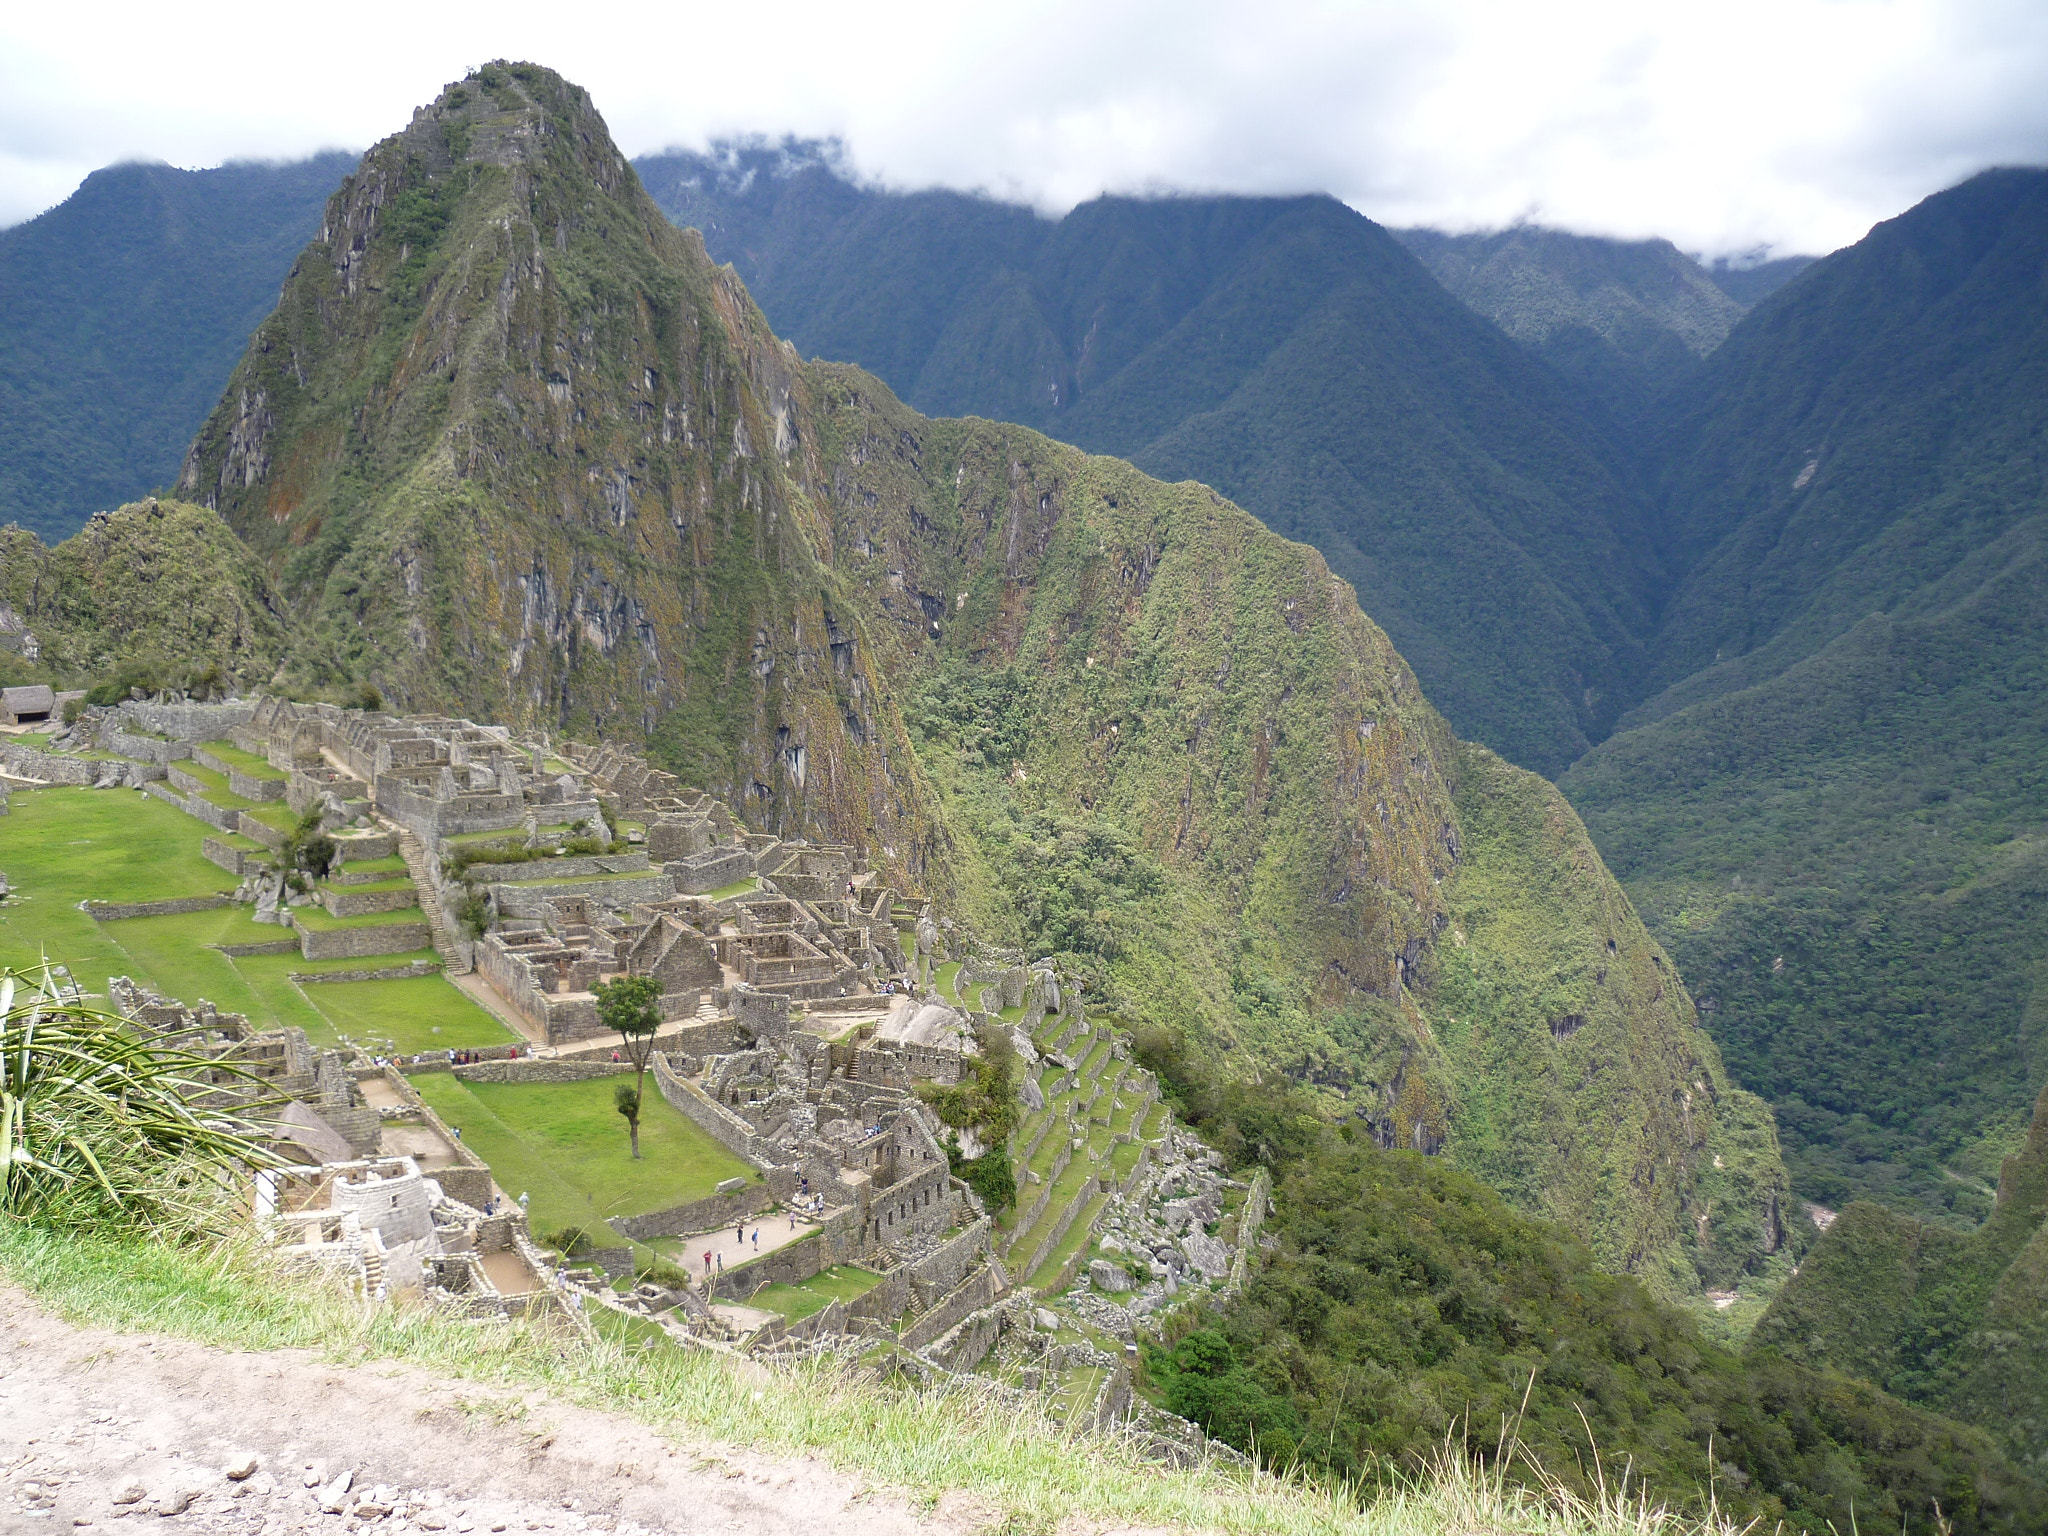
98 1124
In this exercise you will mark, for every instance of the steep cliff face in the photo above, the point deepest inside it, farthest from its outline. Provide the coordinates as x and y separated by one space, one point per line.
513 444
1315 873
518 449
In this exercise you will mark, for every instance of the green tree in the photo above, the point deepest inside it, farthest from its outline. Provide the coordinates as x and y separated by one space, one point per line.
631 1005
627 1100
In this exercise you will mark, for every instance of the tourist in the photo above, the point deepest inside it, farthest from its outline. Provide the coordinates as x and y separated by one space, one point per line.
739 1233
524 1200
757 1239
707 1263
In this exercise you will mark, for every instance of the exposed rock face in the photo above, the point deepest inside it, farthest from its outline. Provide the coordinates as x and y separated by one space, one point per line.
520 452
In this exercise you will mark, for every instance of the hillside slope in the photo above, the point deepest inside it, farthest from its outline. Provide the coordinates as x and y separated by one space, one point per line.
1958 1322
1286 351
1835 815
122 310
1626 319
512 446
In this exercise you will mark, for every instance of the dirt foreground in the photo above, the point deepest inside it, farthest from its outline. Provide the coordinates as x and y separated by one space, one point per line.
132 1432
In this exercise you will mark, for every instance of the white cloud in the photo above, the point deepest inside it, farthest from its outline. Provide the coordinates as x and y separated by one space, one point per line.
1788 123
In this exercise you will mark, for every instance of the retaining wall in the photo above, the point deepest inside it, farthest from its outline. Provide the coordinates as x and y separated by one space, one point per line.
373 973
354 943
527 1069
976 1292
117 911
147 749
559 869
236 861
945 1267
267 947
341 901
705 1215
72 772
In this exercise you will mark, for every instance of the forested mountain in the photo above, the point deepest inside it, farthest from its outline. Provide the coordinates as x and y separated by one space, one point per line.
1626 319
122 310
1835 812
1956 1321
1286 351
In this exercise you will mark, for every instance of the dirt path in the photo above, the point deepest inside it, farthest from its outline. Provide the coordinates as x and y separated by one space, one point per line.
134 1432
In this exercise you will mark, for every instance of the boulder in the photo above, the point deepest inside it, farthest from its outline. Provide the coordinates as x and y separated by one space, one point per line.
1105 1276
1208 1256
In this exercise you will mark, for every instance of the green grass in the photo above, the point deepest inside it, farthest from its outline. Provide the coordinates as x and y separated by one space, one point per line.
408 1015
737 888
274 814
566 1145
62 846
942 981
247 764
392 864
1079 1235
317 918
371 887
842 1282
34 740
461 838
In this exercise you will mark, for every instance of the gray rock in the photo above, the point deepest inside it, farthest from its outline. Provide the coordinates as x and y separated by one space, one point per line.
1029 1093
1048 1321
172 1501
130 1492
1209 1256
334 1497
1105 1276
239 1467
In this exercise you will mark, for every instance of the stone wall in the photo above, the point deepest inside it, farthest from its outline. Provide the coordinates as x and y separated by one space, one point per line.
236 861
343 901
710 871
267 947
259 831
559 869
28 763
191 722
885 1302
406 972
117 911
531 900
528 1070
976 1292
945 1267
715 1120
354 943
969 1343
706 1215
147 749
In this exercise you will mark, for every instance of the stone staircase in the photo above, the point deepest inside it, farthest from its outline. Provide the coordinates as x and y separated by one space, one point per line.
414 852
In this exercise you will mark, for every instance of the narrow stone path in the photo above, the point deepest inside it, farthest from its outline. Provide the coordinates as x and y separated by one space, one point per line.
104 1431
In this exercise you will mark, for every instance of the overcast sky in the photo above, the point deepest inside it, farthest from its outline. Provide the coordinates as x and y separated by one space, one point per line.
1790 124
